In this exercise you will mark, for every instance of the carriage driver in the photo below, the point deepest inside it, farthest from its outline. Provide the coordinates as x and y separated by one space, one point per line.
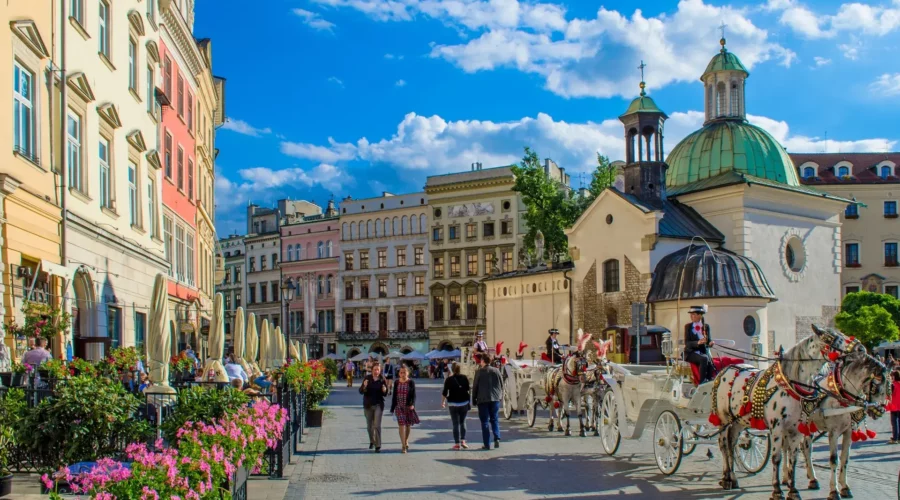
553 347
697 342
480 347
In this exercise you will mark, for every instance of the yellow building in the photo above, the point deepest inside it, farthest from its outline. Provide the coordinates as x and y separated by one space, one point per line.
870 231
474 230
29 203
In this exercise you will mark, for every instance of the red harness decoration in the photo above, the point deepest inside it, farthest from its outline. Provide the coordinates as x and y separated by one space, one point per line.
570 378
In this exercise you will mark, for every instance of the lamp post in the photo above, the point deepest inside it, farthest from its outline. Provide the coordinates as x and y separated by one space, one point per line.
311 342
287 295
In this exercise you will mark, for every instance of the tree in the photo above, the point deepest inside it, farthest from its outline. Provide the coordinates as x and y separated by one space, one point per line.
870 317
603 177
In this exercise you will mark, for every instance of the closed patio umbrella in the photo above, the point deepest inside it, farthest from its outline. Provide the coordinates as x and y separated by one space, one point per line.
280 349
251 350
159 338
304 354
214 370
264 341
239 340
295 351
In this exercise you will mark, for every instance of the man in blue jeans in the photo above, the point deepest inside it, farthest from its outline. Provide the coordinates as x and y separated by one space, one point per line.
487 389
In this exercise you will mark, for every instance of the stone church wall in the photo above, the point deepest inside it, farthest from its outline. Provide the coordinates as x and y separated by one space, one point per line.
804 323
595 310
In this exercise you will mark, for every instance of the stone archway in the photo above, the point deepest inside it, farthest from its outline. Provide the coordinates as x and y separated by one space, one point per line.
352 352
406 349
445 345
379 348
83 317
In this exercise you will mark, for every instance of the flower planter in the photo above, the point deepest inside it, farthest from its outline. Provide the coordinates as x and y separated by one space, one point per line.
5 485
314 418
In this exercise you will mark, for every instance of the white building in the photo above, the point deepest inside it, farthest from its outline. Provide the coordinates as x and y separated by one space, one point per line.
112 232
232 285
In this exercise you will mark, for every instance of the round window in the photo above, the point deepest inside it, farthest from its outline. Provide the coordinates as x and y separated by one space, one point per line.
505 205
794 254
750 326
437 212
609 219
534 288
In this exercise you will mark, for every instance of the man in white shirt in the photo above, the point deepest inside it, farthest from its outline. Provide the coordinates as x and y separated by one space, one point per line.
235 371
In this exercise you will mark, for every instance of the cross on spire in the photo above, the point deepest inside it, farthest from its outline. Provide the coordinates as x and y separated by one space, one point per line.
722 28
641 67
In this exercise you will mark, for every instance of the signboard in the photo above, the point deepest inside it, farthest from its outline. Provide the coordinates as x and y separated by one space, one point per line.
638 326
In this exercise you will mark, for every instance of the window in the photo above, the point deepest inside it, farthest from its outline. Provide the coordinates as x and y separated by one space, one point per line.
885 173
140 330
401 321
169 245
151 10
328 247
507 262
237 298
382 258
133 195
364 289
472 264
262 262
420 286
382 288
73 152
471 306
23 111
420 320
437 307
151 85
454 265
189 259
252 264
843 172
275 291
348 290
438 271
151 206
167 76
348 262
890 209
809 172
167 155
506 227
132 65
611 276
190 112
455 309
471 230
106 189
103 29
437 234
851 289
76 10
274 260
179 253
363 259
419 256
114 325
190 183
180 169
454 232
348 322
401 257
488 229
320 250
263 293
290 253
252 294
179 103
488 264
892 290
401 287
364 322
382 321
852 211
851 251
890 254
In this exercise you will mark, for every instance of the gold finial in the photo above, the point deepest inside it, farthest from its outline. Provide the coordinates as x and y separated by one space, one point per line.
722 29
642 85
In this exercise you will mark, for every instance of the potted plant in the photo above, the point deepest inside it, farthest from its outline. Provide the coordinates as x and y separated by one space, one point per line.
181 366
6 444
312 378
41 320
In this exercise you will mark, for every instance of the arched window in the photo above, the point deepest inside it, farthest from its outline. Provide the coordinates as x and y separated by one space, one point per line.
843 172
320 250
735 100
709 102
290 253
404 226
321 285
885 172
611 276
345 228
353 233
422 225
328 284
370 229
720 99
809 172
328 249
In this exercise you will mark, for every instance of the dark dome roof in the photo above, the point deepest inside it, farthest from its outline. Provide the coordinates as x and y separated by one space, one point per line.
708 273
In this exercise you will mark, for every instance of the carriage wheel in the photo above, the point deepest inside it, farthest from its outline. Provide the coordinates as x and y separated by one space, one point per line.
608 421
752 451
667 442
531 406
690 432
507 404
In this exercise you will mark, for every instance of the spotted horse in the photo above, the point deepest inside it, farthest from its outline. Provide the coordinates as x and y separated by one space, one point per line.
563 385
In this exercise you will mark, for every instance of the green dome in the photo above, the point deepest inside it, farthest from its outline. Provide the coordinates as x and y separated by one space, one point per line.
643 104
724 61
726 146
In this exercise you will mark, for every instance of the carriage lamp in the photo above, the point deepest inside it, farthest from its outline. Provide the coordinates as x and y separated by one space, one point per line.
668 349
532 357
507 352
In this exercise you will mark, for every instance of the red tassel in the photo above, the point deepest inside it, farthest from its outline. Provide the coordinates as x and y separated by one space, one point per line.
862 436
715 420
833 355
871 434
548 399
813 428
803 428
758 424
556 404
854 436
746 408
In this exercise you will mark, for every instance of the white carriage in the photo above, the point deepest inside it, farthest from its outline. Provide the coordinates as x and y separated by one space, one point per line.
638 395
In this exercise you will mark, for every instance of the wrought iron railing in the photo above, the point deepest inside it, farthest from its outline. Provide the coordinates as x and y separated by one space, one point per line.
384 335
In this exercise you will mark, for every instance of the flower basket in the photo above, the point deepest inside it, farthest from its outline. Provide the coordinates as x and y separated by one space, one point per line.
314 418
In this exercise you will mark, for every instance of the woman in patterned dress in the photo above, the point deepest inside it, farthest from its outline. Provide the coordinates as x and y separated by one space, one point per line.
403 406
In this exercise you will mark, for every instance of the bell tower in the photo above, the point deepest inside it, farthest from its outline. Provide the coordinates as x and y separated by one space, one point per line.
645 168
723 85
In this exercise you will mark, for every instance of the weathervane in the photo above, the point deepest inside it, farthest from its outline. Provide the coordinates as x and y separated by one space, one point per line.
641 67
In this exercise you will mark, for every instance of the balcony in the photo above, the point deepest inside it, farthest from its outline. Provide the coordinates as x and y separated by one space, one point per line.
383 335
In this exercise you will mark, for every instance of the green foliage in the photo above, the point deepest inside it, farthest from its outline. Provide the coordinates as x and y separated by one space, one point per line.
310 377
199 404
854 301
551 208
871 324
56 368
41 320
6 444
87 418
330 368
12 412
125 358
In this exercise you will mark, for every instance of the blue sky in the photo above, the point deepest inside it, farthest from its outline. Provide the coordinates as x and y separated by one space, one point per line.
355 97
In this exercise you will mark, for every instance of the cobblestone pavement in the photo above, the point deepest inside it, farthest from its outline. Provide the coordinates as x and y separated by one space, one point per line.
533 463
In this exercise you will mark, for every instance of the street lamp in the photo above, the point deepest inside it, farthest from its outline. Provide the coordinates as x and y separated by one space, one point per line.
313 329
287 295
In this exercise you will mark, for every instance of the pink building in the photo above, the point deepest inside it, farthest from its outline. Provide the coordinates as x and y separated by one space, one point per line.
309 250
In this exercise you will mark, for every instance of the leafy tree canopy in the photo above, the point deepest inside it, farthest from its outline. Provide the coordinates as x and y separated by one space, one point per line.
870 317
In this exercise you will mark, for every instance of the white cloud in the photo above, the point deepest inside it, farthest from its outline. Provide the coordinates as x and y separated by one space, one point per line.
314 20
428 145
400 83
887 84
854 18
337 81
821 61
257 183
393 56
242 127
333 152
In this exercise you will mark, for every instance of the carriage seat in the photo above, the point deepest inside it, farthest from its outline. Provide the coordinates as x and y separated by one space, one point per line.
720 363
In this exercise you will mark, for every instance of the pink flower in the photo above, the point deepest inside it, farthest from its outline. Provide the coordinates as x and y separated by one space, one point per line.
47 482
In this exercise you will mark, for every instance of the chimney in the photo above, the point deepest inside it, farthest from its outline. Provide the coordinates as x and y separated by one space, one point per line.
479 165
473 167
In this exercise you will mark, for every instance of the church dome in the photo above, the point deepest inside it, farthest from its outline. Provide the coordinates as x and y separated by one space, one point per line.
728 145
708 274
724 61
643 104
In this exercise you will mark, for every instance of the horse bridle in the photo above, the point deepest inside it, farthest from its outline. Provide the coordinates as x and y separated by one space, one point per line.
835 388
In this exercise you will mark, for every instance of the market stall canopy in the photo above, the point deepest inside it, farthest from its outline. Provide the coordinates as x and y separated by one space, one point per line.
443 354
394 355
362 356
413 356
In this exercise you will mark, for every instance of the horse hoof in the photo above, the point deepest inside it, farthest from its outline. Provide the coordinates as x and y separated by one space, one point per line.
596 432
559 429
777 495
728 484
813 484
550 427
785 482
845 492
567 433
581 434
793 495
834 496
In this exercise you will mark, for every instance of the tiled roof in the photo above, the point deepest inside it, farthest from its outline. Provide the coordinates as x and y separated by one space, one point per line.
732 178
679 220
862 171
468 176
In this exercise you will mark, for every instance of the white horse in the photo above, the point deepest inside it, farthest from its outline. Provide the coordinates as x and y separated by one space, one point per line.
776 399
859 380
563 385
595 385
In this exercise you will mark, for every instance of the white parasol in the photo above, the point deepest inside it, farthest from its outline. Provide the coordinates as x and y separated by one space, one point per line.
280 350
239 340
304 354
295 351
159 338
264 342
214 370
251 349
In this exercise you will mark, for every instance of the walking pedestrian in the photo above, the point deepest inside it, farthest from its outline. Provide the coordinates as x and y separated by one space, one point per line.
373 389
456 396
403 406
486 392
348 372
894 407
